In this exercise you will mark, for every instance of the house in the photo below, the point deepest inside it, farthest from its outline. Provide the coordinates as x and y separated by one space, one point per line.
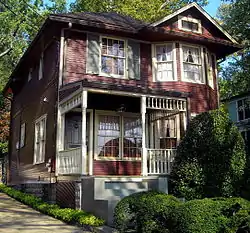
239 112
101 101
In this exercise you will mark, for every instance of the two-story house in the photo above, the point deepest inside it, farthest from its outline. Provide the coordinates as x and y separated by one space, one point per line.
239 112
101 101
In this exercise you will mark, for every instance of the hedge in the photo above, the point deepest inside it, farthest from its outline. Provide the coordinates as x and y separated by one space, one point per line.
144 212
154 212
67 215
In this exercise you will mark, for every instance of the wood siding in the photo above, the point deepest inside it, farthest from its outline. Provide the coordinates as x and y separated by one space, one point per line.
202 97
27 106
127 168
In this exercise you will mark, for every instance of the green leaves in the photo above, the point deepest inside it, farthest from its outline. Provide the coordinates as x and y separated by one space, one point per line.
148 11
210 159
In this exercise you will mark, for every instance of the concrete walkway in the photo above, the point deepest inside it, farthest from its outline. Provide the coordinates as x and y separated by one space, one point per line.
16 217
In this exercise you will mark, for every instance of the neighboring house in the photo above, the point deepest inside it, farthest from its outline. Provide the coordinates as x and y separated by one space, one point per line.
239 112
100 102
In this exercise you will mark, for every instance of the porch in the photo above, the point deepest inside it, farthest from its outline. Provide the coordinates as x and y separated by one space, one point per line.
118 133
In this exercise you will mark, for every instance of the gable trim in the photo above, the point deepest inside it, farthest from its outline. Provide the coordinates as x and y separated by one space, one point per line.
202 11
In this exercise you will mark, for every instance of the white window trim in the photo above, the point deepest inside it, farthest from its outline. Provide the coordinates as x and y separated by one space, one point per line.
202 63
45 131
208 53
22 136
30 74
238 108
112 113
189 19
154 61
125 76
40 74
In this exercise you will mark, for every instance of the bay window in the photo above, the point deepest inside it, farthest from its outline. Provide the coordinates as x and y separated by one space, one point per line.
118 136
192 64
163 62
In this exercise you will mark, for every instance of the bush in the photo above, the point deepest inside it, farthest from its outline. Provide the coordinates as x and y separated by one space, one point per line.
65 214
144 212
220 215
210 160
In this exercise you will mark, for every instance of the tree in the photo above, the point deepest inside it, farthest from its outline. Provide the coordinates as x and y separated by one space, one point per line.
235 17
148 11
211 158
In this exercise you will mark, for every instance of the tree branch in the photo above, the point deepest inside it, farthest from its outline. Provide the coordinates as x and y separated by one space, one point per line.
6 51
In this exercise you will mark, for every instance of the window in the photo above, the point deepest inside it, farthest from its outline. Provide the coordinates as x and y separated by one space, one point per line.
243 108
210 76
40 140
192 64
113 57
163 62
189 24
40 75
22 135
30 74
119 136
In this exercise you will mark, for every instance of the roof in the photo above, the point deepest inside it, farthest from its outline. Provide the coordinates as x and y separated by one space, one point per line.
109 18
202 11
235 97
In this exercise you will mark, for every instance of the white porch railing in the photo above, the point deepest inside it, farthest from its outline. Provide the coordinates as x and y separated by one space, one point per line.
160 161
70 161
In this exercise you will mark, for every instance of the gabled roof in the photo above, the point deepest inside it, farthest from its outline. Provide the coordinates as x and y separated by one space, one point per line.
202 11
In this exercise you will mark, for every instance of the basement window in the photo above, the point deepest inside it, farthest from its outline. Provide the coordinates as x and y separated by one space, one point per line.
189 24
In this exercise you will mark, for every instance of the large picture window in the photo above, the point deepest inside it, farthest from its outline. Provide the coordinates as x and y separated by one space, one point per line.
113 56
119 136
192 64
164 62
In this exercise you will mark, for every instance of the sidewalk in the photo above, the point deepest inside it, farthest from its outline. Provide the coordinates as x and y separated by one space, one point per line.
16 217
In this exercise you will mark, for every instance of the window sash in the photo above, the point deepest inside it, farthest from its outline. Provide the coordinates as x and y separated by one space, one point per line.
40 140
243 109
113 56
118 136
164 65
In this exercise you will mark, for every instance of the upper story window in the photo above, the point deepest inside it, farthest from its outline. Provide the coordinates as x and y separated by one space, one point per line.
189 24
40 74
243 108
163 62
192 64
113 56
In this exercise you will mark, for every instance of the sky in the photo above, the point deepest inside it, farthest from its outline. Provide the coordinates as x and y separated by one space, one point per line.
212 7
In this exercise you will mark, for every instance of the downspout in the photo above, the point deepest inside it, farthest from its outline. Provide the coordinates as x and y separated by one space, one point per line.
60 83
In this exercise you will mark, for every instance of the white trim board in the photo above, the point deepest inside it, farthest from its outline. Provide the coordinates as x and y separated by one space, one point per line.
202 11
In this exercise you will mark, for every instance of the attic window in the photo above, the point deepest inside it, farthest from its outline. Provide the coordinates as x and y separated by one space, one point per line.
189 24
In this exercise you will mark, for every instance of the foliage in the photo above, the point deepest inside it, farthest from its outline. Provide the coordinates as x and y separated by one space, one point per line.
235 17
210 160
148 11
144 212
65 214
219 215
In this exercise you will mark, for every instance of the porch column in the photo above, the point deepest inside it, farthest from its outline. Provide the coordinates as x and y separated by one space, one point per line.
84 129
144 171
60 136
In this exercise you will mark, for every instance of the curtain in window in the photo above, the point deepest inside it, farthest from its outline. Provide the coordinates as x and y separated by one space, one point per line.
164 60
108 138
192 64
132 138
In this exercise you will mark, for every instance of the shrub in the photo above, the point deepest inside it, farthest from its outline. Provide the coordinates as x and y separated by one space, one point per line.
210 160
65 214
218 215
144 212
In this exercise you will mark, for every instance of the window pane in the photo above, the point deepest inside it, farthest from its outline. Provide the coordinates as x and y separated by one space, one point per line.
108 136
132 141
192 72
106 64
164 53
247 109
165 71
191 55
240 110
104 46
189 25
